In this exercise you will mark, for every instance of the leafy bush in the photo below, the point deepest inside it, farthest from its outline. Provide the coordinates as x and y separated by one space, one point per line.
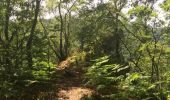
6 90
137 86
114 81
42 70
104 76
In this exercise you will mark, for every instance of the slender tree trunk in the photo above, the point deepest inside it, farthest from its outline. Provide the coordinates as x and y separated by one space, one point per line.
117 37
61 34
17 52
30 40
7 15
68 34
66 37
6 32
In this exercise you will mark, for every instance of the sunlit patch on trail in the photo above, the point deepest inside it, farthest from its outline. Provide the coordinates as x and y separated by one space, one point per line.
74 93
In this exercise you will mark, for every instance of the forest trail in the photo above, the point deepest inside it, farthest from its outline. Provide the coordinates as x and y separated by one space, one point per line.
68 86
71 85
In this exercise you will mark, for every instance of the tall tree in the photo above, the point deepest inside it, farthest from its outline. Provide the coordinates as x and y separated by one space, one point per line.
30 39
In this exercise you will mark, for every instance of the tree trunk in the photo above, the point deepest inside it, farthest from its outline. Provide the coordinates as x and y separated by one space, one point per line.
6 42
117 37
30 40
61 34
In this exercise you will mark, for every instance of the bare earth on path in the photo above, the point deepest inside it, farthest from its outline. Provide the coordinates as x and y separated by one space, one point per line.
73 93
71 86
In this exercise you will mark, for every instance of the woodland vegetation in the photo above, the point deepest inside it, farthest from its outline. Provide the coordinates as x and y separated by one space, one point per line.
120 49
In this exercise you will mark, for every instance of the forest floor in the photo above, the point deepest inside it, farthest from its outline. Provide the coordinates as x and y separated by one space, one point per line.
69 85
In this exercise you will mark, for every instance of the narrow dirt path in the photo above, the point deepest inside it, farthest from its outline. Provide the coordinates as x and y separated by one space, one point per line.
71 86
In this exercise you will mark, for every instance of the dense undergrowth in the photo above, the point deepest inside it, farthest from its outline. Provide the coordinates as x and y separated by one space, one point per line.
23 79
118 82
